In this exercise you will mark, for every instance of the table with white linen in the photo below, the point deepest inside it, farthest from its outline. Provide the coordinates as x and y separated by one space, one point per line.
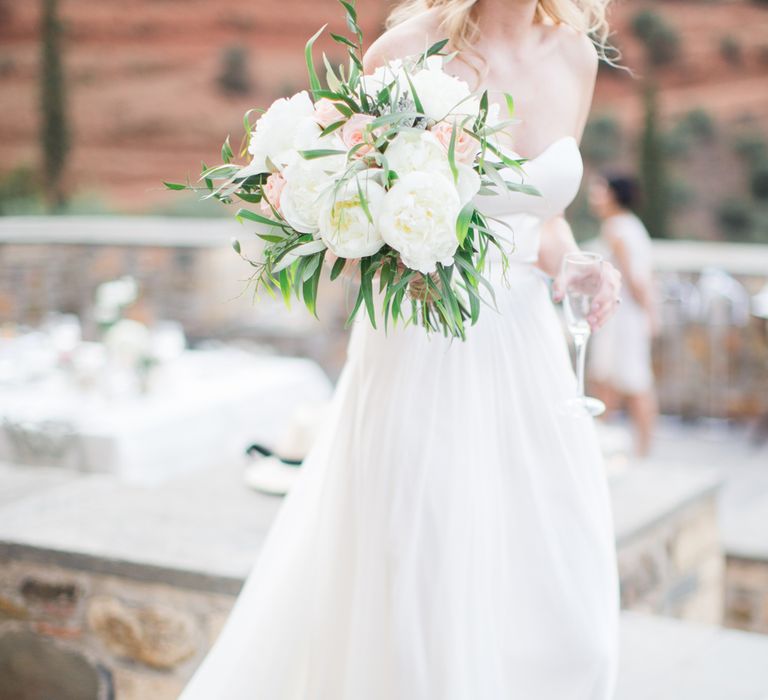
201 409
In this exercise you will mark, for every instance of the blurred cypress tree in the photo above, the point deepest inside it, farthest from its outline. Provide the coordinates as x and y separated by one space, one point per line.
653 174
54 128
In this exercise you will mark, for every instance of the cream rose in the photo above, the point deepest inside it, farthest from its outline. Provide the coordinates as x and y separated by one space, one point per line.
344 224
465 148
355 133
274 134
272 190
326 112
418 219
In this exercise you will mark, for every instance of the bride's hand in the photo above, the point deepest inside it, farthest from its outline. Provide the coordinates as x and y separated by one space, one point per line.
606 300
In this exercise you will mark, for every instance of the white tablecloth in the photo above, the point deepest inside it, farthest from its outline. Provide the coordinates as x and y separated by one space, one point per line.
202 409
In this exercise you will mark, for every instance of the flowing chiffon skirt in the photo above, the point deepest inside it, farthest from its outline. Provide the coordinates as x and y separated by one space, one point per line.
450 537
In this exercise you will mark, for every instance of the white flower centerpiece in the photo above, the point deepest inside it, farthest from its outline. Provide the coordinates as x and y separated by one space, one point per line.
379 172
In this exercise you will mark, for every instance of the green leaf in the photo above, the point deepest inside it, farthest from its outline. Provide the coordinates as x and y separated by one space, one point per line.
174 185
309 289
350 9
452 155
332 127
309 248
236 245
523 188
320 153
464 221
251 198
414 94
366 286
436 48
355 59
363 201
258 218
271 239
343 40
510 104
330 75
353 313
226 151
311 266
337 268
284 279
314 81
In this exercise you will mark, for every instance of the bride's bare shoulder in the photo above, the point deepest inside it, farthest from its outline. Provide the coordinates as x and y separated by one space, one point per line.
577 49
410 37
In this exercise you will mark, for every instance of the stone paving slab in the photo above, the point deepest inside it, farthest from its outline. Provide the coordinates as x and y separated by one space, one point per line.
200 531
644 495
664 659
203 530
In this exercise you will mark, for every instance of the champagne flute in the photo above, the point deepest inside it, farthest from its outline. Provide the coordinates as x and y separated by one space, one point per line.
582 278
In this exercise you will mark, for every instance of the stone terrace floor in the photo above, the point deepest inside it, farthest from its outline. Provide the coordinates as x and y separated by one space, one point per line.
662 658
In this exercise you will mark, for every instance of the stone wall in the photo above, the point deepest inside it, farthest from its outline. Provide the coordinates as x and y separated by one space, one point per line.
675 566
138 627
746 594
99 637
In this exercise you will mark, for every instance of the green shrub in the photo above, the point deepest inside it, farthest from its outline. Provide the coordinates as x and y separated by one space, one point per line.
736 219
759 181
602 139
700 123
234 77
653 171
730 50
680 195
751 146
661 39
19 188
54 127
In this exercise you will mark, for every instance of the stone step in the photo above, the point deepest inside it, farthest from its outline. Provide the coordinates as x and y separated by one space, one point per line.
666 659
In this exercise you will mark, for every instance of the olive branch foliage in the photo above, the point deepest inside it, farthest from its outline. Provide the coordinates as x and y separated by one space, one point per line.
292 262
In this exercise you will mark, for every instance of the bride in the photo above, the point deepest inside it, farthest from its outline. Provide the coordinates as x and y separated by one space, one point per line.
450 536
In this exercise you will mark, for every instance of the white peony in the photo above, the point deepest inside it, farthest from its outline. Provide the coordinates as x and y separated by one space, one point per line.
307 181
308 138
442 94
275 133
418 219
416 151
421 151
383 76
344 224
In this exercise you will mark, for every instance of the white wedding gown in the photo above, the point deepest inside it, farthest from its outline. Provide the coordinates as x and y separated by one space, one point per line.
450 536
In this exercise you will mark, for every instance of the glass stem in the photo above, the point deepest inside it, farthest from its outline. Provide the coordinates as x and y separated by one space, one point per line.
580 341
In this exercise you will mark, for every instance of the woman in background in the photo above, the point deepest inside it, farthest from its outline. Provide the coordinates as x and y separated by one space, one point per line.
620 362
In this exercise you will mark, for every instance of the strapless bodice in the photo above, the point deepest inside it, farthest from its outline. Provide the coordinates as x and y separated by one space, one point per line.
556 173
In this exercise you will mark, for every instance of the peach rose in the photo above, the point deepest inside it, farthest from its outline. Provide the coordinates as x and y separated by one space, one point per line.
326 113
272 189
465 148
354 132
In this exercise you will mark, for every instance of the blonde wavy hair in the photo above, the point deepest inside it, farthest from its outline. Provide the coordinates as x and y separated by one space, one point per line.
459 20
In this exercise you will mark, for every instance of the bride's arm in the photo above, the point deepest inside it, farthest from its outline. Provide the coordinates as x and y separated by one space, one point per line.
556 235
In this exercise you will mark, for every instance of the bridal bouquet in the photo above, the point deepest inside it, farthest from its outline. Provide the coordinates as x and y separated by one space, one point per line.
377 172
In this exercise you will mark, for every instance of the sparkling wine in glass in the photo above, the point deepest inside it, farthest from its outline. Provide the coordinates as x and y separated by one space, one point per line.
582 277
